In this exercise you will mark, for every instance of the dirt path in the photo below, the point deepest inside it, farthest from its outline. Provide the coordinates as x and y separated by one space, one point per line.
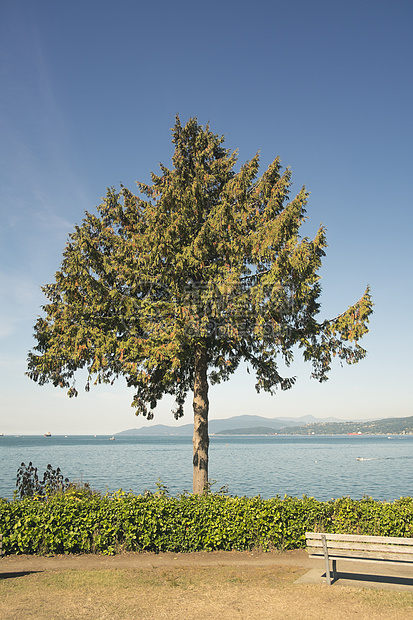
22 563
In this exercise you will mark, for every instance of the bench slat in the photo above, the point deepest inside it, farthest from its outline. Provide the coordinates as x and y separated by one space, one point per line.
356 555
361 546
359 538
368 560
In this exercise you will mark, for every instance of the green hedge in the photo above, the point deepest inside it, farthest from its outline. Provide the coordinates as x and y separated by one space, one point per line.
75 522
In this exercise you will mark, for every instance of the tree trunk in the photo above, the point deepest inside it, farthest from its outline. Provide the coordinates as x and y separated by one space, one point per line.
201 406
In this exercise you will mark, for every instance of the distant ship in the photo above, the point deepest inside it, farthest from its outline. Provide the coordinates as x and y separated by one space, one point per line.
110 438
48 434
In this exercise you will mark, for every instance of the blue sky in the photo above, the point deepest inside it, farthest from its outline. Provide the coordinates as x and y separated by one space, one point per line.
89 92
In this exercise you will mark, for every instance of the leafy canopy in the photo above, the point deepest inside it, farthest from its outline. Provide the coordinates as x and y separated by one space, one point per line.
204 256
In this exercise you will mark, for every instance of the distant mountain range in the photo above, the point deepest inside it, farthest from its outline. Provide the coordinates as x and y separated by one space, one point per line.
240 423
305 425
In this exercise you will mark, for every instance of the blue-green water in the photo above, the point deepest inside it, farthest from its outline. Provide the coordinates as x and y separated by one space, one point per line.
324 467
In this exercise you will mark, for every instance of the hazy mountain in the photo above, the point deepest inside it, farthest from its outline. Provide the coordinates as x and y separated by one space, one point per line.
308 419
159 429
252 430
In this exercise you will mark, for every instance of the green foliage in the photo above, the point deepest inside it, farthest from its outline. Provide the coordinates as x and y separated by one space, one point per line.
79 522
203 257
173 287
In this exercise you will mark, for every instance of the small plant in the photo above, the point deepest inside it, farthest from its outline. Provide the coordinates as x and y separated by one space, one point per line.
224 490
80 489
29 485
163 490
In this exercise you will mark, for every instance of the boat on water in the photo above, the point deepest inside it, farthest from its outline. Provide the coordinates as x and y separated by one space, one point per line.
111 438
48 434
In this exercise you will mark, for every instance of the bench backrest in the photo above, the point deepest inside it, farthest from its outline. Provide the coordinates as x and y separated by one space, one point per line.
355 546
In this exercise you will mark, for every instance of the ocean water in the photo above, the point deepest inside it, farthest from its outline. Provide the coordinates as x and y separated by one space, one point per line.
324 467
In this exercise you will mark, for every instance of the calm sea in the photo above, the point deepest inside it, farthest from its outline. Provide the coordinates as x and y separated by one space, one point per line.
323 467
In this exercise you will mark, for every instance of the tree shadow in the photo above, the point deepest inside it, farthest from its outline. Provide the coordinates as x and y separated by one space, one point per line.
18 574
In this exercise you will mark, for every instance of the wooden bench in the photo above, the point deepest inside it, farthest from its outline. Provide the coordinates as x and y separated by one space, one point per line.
350 547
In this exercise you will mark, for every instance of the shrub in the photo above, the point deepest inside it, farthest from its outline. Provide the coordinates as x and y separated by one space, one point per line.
81 521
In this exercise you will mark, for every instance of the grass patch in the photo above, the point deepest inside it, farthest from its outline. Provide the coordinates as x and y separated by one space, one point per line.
190 593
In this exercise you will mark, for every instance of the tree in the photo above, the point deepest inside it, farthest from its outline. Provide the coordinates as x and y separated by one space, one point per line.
173 287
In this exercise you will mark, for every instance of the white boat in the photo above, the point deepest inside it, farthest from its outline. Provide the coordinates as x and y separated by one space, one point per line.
111 439
48 434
